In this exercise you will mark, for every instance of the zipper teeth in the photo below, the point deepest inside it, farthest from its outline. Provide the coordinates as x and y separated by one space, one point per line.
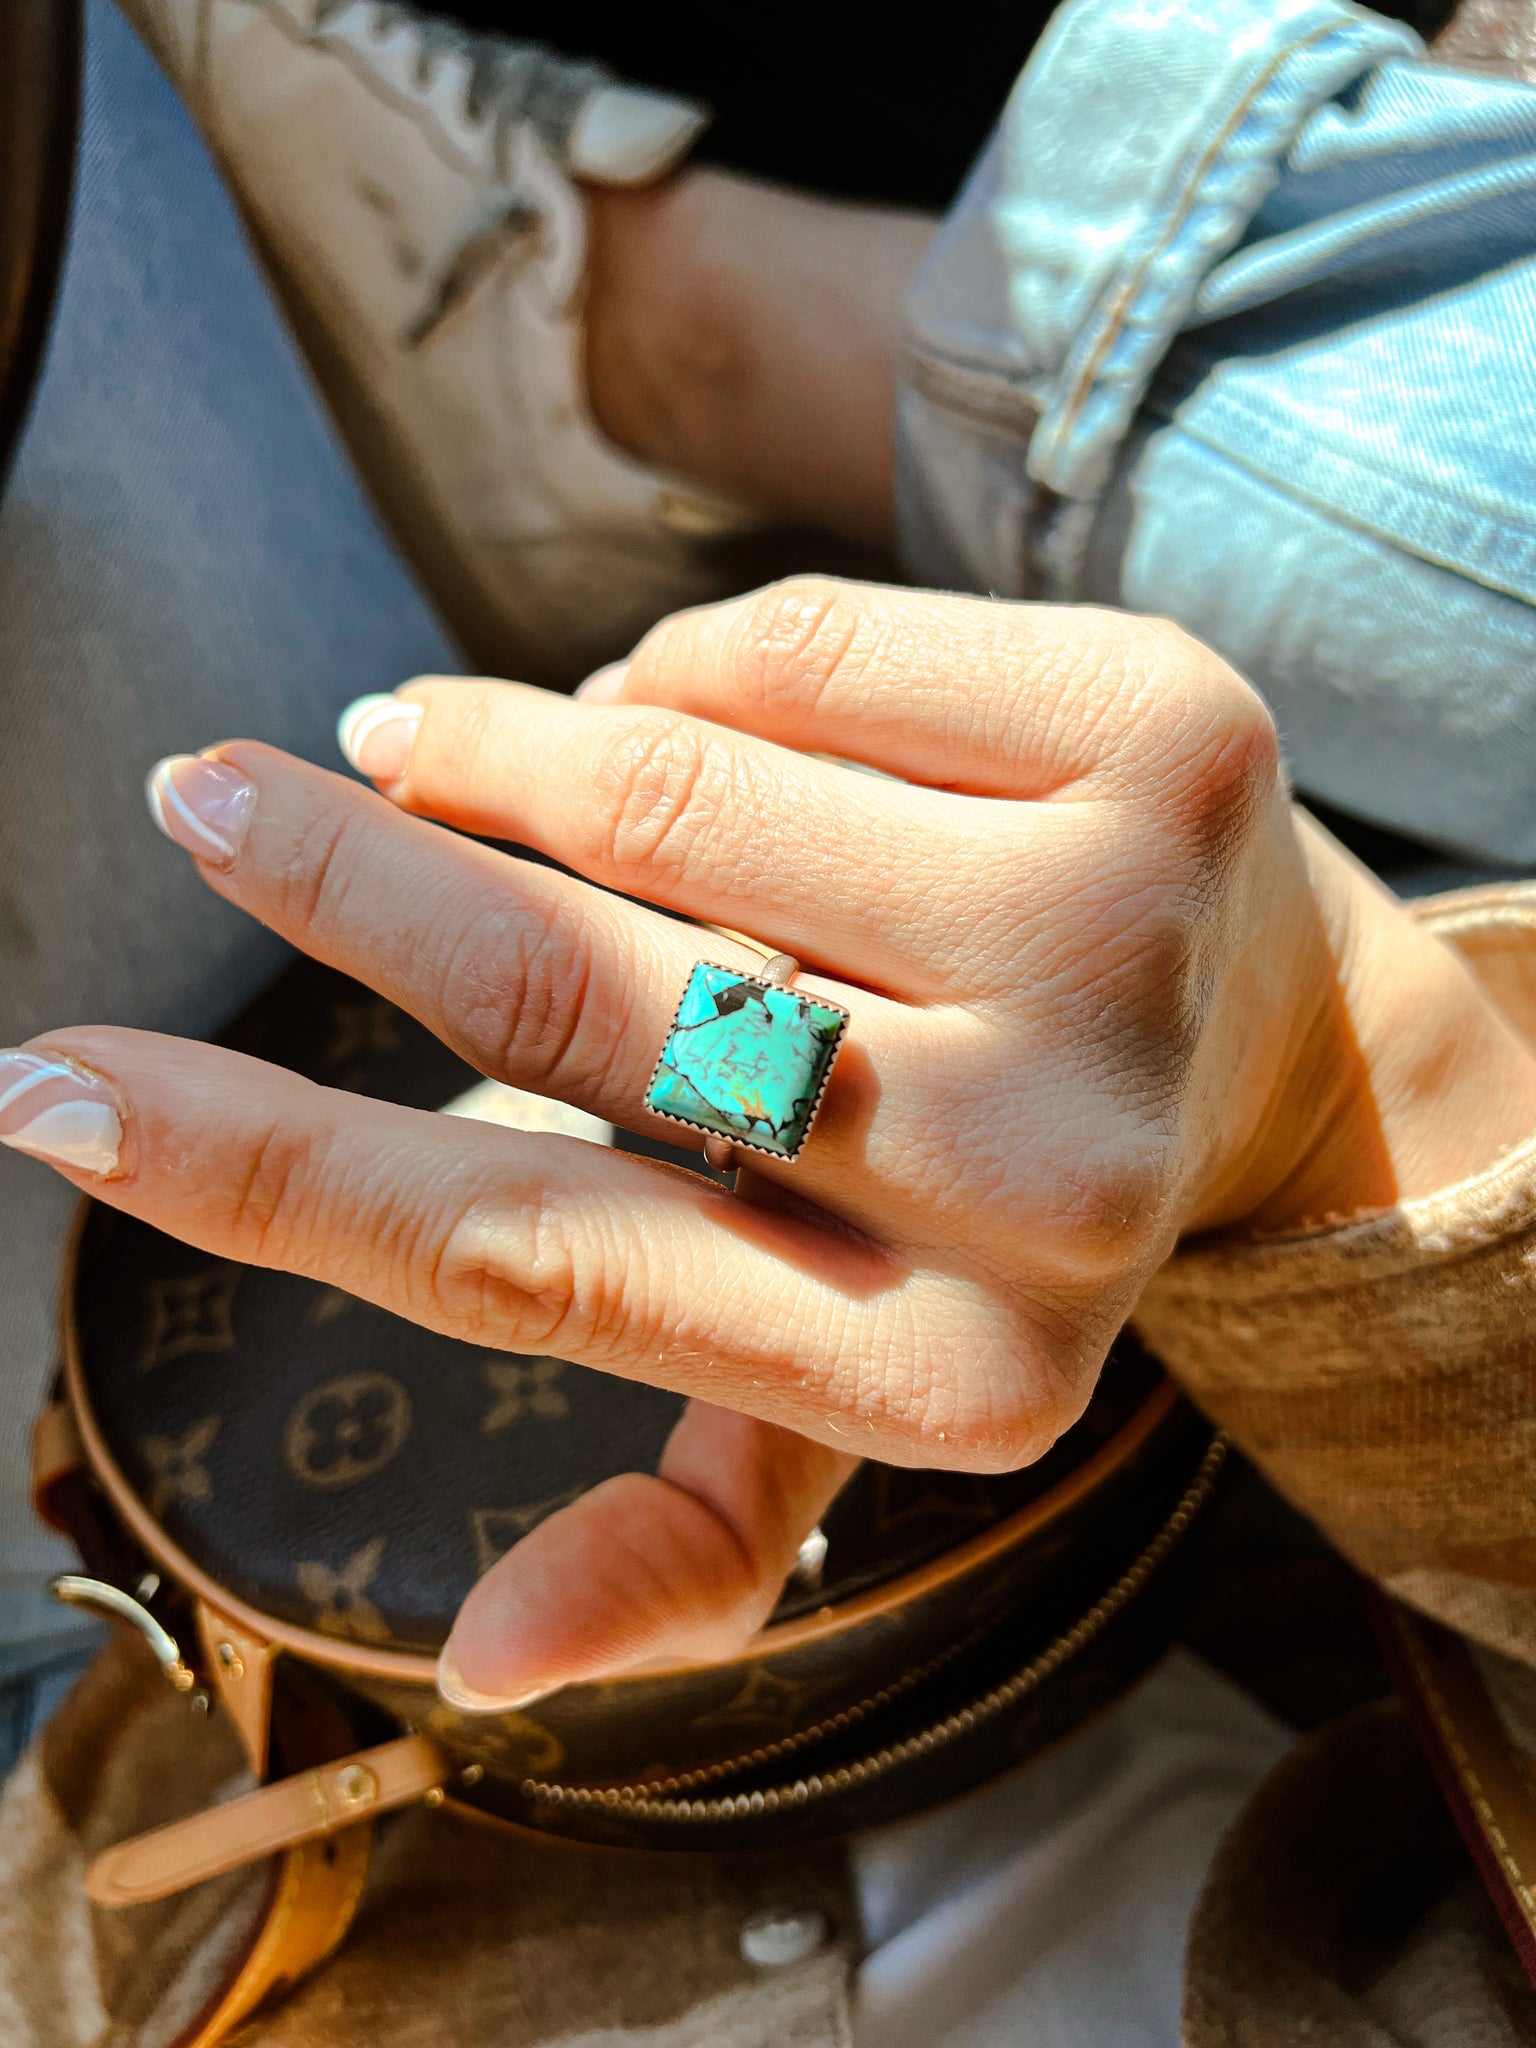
653 1801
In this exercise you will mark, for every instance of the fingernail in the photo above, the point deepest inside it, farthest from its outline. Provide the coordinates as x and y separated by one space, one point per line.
451 1685
59 1112
604 685
377 733
204 806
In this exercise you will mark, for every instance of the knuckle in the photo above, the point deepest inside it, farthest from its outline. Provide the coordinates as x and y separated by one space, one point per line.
515 983
514 1272
273 1205
1110 1215
793 639
1016 1426
316 880
1028 1369
657 792
1214 728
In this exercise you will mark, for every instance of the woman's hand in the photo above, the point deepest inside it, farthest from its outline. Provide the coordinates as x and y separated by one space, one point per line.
1103 992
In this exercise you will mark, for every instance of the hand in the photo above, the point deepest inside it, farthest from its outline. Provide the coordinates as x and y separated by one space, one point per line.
1103 991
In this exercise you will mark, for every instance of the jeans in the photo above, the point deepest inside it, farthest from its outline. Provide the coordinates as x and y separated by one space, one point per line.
1236 322
184 556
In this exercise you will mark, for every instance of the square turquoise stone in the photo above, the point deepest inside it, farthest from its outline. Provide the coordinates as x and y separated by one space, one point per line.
746 1060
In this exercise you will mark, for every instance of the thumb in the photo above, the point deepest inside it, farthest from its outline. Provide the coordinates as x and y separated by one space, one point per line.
684 1567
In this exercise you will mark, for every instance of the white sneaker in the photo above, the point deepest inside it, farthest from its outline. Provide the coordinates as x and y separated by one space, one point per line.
411 188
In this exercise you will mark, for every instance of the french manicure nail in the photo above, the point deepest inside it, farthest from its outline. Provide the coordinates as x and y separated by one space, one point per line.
451 1685
204 806
59 1112
377 733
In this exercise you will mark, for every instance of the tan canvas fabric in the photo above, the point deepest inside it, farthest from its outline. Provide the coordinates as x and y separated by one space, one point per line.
465 1936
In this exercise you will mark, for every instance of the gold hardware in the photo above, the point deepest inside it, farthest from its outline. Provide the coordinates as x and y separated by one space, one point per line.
96 1595
433 1798
658 1801
356 1785
471 1774
230 1658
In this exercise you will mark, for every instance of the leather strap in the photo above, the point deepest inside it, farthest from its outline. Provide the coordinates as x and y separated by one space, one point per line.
57 1453
1487 1783
314 1896
295 1810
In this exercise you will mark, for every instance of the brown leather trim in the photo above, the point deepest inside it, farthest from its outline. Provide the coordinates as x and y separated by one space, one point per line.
1487 1783
300 1809
56 1451
240 1666
312 1903
411 1667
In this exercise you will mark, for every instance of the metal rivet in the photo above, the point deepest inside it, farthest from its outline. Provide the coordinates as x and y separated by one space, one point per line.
356 1785
231 1659
471 1774
434 1797
773 1940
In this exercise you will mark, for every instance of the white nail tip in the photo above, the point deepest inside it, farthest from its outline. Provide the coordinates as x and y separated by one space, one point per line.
164 798
85 1135
365 715
152 793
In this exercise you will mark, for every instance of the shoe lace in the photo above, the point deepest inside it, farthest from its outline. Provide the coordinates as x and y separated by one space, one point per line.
506 83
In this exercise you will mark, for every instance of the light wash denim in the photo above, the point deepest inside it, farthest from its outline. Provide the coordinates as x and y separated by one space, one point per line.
1236 323
184 556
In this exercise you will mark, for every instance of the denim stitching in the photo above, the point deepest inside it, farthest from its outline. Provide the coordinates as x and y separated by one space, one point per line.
1117 352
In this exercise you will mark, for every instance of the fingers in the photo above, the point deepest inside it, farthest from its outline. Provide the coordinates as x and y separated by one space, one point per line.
1010 700
678 1568
534 977
546 1245
836 868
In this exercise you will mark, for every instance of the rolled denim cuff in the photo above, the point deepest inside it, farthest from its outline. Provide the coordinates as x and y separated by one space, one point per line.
1137 146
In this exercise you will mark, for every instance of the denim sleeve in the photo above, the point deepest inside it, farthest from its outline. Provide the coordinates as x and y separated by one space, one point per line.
1236 322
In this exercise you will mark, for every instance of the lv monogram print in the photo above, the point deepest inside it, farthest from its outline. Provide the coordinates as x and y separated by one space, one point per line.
347 1429
339 1594
520 1387
767 1704
362 1028
176 1463
190 1315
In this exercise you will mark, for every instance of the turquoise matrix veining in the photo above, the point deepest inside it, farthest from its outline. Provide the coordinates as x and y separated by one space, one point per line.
746 1060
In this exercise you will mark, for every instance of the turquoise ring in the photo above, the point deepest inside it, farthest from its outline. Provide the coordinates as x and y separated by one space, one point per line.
746 1060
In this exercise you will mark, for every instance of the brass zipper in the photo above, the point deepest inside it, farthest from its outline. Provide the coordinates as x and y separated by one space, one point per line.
657 1799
